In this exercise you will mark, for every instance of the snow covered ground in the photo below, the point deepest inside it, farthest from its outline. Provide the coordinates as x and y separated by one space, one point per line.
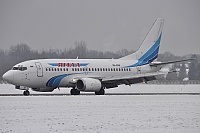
109 113
152 114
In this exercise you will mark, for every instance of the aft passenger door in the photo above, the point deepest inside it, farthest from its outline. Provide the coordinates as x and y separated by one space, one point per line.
39 69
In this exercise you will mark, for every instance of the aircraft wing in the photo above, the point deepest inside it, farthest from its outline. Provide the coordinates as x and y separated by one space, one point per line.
137 78
154 64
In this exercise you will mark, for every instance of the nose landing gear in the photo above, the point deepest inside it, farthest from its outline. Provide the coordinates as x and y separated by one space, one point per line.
26 93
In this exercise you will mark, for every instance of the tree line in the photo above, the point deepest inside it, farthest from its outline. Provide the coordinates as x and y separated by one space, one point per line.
23 52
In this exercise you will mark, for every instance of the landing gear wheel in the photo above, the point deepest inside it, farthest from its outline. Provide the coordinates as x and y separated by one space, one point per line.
100 92
26 93
74 92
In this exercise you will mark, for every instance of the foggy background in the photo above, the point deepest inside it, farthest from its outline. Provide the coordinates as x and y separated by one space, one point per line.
108 25
98 29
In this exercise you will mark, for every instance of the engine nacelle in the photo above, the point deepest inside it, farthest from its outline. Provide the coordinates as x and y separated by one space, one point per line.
88 84
48 89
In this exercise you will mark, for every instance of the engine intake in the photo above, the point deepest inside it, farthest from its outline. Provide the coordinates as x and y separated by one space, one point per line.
88 84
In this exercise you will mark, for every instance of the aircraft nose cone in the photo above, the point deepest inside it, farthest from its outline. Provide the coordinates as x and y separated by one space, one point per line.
8 76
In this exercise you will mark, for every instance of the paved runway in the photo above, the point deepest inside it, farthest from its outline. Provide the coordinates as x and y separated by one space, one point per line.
67 94
140 89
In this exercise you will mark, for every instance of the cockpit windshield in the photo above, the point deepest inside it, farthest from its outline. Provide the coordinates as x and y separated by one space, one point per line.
21 68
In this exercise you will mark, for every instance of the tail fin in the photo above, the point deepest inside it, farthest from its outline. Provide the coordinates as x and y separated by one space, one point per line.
149 48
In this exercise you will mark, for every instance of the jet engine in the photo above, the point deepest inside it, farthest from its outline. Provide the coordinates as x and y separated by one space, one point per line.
88 84
48 89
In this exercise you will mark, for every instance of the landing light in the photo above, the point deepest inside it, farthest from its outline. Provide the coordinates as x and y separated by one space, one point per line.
73 80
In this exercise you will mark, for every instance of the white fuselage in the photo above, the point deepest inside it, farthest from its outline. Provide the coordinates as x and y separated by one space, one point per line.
42 73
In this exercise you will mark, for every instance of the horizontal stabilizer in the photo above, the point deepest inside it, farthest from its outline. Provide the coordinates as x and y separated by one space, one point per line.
169 62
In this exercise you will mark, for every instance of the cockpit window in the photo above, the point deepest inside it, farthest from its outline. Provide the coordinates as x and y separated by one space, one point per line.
21 68
15 68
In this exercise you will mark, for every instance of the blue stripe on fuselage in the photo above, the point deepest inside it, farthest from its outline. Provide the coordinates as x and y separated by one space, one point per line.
55 81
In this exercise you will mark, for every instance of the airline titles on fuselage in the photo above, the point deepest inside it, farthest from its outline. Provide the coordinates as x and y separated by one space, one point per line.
71 64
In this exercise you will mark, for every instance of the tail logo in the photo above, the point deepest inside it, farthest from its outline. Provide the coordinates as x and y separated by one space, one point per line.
150 55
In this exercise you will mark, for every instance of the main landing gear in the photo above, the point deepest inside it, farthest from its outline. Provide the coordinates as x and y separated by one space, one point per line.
74 91
77 92
26 93
100 92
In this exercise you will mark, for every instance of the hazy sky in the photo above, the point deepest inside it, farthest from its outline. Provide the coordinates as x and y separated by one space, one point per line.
103 24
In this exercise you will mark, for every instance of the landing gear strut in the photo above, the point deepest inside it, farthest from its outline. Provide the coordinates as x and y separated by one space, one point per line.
26 93
100 92
74 91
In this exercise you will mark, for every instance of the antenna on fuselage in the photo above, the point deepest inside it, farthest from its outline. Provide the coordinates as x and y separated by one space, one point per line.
77 57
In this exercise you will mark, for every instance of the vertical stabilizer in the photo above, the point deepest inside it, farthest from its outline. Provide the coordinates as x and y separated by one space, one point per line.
149 48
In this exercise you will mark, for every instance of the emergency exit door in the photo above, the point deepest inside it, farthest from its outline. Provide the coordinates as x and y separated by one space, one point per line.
39 69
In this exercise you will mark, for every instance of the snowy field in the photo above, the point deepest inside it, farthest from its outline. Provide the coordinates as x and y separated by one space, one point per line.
151 114
109 113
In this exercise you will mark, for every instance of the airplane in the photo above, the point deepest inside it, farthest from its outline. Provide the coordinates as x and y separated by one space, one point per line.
92 75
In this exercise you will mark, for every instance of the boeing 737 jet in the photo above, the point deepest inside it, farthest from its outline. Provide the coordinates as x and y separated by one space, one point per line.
91 75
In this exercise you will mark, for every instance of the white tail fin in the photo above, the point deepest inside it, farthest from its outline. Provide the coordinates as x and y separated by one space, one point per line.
149 48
